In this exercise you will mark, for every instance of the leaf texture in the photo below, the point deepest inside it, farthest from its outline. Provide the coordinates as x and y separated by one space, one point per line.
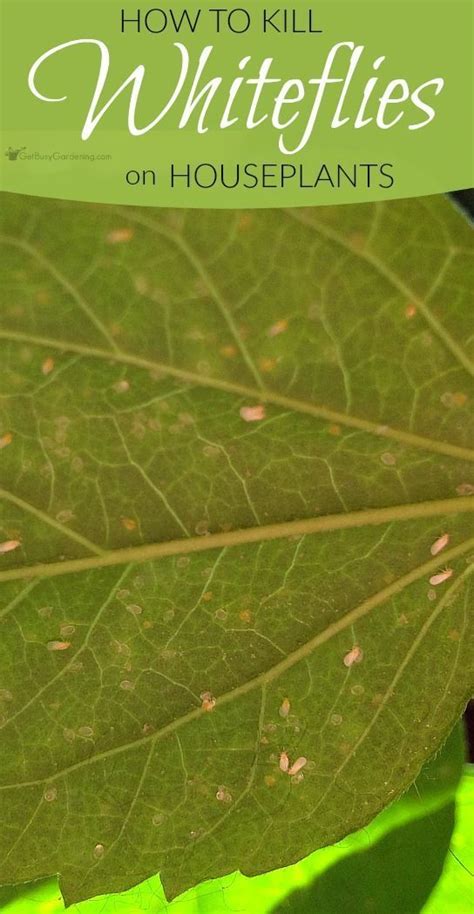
228 444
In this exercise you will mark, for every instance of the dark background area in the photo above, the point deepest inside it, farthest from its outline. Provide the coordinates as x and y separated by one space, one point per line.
469 718
465 199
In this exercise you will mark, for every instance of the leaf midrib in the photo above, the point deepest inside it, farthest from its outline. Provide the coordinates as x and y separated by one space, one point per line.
268 676
244 536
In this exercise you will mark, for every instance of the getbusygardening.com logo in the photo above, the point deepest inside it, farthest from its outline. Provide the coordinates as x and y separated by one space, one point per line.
16 153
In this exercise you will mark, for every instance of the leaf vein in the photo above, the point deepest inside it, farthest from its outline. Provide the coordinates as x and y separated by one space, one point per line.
301 653
266 395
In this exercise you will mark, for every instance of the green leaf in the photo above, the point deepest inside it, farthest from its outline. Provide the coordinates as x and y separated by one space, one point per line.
454 890
398 871
429 801
180 549
387 878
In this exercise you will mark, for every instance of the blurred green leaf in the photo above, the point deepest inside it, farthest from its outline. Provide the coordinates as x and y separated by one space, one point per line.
396 874
454 893
228 443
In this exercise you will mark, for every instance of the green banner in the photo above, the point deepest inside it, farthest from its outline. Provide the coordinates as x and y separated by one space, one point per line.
255 106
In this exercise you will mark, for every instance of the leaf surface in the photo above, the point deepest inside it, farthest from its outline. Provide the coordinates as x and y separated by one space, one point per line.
229 441
398 870
429 800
